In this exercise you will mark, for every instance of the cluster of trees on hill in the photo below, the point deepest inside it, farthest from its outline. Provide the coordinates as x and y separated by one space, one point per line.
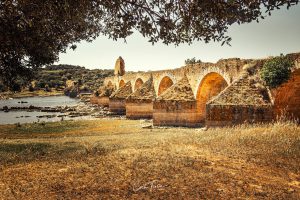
55 77
64 67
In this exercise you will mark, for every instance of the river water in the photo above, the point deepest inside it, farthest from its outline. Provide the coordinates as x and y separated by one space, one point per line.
23 116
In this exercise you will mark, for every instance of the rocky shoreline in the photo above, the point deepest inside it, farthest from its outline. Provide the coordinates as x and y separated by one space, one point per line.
18 95
80 110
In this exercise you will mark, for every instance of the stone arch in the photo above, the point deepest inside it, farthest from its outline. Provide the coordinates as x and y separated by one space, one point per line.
210 85
208 70
121 83
138 83
165 83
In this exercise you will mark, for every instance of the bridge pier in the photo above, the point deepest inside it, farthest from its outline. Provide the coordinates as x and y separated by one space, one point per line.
117 101
139 105
176 107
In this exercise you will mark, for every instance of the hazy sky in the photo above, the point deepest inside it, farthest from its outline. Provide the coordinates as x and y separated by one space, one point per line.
278 33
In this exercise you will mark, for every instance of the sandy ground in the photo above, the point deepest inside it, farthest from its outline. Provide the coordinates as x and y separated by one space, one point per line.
119 159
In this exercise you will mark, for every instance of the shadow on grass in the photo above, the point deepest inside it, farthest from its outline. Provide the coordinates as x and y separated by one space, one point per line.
42 128
13 153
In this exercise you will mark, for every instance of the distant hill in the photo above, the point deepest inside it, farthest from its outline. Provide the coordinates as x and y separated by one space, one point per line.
64 67
55 76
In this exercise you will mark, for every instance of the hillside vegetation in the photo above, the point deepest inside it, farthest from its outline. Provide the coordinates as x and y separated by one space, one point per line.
53 79
119 159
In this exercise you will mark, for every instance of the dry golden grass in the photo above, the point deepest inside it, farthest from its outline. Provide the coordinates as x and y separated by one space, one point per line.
118 159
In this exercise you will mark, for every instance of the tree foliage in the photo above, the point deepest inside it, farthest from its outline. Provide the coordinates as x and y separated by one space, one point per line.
34 32
276 71
191 61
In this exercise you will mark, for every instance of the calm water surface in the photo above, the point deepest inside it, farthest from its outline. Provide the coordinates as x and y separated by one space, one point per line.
40 101
13 117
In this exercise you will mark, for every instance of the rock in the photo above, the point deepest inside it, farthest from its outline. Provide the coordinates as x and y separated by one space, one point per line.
147 127
22 102
5 109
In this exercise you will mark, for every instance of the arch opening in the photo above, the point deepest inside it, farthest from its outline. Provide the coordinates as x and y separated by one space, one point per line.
138 83
121 83
164 84
211 85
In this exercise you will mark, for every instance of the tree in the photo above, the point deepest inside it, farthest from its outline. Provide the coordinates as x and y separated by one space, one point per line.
276 71
34 32
192 61
16 87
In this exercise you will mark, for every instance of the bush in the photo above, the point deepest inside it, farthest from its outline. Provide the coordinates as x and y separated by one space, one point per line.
16 87
47 88
31 88
192 61
41 84
276 71
73 93
2 87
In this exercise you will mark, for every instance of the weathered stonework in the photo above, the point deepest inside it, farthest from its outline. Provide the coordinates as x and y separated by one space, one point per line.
228 115
102 101
175 113
229 69
119 67
139 110
207 81
118 99
176 107
241 102
139 105
103 98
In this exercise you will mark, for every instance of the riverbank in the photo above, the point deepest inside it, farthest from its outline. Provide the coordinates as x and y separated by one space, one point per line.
26 93
129 159
51 108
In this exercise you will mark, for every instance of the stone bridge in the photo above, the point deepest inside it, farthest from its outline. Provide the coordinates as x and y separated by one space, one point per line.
205 82
224 70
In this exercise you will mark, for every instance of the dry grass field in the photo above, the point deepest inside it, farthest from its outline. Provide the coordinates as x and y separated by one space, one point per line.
118 159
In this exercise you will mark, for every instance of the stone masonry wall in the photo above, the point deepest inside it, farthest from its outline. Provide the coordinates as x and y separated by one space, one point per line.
171 113
139 110
226 115
117 106
101 101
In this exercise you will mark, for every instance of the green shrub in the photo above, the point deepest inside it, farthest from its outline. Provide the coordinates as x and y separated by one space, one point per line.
192 61
276 71
73 94
30 88
16 87
41 84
